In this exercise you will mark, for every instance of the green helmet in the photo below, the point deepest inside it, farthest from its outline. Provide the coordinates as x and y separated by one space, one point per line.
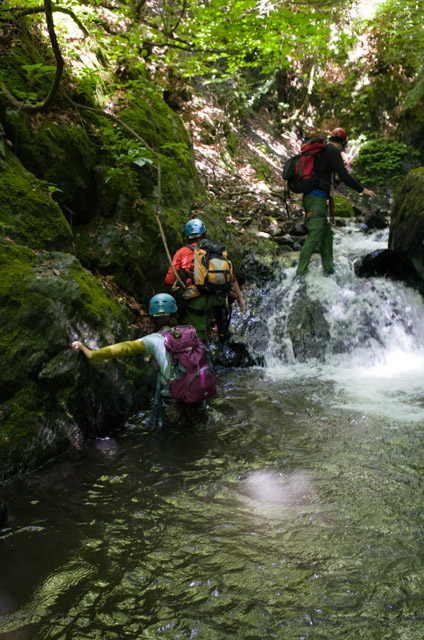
194 227
162 304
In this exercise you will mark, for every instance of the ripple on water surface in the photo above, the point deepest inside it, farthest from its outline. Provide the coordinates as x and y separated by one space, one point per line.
285 516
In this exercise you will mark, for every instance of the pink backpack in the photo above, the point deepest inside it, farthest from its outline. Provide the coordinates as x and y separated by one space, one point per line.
192 376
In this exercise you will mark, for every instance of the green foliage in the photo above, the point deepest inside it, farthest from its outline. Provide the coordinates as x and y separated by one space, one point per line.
35 71
125 153
261 35
397 37
383 162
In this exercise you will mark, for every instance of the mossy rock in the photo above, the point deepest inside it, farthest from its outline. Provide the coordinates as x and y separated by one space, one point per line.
27 212
131 252
343 208
50 396
63 155
165 133
407 219
123 239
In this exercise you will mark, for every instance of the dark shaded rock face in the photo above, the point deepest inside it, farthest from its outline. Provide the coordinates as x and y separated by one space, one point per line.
78 197
407 220
52 397
231 354
376 220
391 264
27 212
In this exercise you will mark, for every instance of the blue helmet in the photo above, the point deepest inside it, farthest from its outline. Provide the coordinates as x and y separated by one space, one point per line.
162 304
194 227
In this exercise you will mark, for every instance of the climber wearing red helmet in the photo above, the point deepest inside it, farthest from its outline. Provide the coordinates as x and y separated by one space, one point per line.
339 135
320 233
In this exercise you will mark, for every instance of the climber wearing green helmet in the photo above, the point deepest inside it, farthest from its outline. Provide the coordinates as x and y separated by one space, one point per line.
199 299
320 234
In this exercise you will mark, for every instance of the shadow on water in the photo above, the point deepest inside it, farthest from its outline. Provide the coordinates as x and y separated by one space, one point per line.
295 511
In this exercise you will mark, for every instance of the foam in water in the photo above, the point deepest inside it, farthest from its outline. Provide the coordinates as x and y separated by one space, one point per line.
374 352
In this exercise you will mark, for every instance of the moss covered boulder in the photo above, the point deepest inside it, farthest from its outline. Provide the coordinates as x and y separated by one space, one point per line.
27 212
60 153
123 239
343 208
407 220
165 133
131 252
52 397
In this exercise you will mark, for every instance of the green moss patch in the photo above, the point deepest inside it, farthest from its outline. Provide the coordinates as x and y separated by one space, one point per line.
342 208
27 212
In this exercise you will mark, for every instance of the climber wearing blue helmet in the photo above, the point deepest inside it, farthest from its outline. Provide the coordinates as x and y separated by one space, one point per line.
194 228
163 309
172 384
162 304
198 300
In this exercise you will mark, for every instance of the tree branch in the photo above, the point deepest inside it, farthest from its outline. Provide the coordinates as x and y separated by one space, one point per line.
45 105
176 25
32 10
162 45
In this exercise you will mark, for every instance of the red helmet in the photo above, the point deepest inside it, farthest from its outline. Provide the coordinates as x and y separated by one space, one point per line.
339 133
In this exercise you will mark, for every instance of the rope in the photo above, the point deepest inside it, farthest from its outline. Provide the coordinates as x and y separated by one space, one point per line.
156 155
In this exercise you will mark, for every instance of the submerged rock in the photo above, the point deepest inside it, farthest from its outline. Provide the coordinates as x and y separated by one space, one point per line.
231 353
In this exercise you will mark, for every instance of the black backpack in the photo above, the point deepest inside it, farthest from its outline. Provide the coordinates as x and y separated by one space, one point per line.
300 171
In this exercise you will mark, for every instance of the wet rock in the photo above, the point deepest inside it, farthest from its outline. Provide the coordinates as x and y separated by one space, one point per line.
254 270
231 354
376 220
391 264
307 328
340 222
407 220
3 513
51 398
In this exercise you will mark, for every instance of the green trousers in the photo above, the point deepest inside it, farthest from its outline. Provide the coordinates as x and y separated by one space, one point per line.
202 304
320 235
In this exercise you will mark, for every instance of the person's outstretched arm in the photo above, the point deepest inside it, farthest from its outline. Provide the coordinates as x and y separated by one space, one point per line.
338 166
118 350
368 192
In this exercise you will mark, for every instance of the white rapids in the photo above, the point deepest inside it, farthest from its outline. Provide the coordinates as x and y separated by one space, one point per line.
380 323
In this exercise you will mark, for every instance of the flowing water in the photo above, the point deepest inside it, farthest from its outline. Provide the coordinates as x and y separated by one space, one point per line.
295 512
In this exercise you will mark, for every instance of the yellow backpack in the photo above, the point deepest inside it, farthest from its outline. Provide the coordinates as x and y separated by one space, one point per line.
212 270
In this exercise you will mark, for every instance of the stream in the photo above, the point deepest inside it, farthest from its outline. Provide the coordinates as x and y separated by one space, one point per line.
296 512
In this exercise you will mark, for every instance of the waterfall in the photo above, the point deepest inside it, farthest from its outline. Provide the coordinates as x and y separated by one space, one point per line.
365 336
